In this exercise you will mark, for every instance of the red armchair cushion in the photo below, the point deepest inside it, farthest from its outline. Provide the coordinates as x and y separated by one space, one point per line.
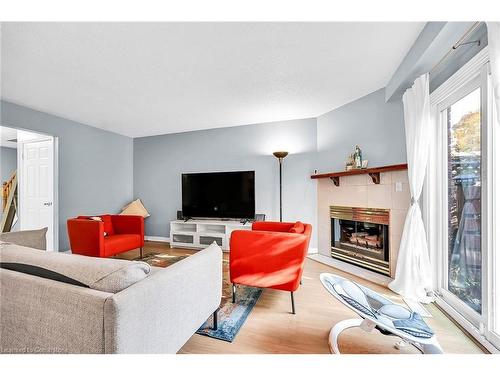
298 227
119 243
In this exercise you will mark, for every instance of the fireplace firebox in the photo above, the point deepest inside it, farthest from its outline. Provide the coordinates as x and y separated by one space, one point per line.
360 236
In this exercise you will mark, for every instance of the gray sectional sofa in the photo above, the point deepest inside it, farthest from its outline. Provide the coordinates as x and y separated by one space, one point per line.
63 303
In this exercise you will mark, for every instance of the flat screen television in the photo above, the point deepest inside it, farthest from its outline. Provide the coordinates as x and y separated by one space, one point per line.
229 195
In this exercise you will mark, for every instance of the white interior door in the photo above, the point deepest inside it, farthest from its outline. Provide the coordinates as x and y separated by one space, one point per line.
37 188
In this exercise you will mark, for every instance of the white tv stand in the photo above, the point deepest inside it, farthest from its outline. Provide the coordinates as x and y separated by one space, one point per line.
201 233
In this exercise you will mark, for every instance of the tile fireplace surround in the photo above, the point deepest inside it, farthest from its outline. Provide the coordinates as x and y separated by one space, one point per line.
360 191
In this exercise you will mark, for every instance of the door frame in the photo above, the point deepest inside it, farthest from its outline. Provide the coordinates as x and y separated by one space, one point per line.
55 181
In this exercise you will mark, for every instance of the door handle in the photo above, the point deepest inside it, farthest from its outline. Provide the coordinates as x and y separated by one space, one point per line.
48 204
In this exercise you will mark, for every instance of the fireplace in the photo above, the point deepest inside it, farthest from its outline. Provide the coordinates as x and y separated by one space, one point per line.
360 236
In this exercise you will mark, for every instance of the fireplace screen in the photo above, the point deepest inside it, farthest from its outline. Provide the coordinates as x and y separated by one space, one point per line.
360 236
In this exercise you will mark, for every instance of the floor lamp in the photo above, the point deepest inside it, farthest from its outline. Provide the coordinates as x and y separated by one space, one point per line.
281 155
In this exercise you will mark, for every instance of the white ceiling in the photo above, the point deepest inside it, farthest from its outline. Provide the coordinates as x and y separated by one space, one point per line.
141 79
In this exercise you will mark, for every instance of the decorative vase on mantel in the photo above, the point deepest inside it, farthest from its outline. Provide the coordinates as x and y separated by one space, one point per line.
358 158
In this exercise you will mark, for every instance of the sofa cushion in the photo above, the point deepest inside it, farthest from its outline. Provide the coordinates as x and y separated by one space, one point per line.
30 238
107 275
121 242
298 227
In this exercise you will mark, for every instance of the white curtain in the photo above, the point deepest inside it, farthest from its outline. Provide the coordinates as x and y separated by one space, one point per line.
494 52
465 259
413 271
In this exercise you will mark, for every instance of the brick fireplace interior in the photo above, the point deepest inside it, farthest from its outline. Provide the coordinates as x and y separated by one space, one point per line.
360 236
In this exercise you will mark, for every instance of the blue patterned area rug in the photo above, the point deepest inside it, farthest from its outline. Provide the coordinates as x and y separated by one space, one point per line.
231 316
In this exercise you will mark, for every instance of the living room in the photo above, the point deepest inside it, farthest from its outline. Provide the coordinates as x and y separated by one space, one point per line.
249 188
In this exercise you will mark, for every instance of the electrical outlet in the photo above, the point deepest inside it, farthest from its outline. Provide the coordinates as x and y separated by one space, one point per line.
399 186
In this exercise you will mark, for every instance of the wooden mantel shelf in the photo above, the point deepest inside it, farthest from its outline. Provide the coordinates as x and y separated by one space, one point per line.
373 172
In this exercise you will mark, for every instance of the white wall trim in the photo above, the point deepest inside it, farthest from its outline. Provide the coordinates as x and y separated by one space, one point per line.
312 250
157 238
468 326
460 77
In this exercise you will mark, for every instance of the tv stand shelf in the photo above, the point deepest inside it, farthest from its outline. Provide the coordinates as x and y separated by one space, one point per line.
201 233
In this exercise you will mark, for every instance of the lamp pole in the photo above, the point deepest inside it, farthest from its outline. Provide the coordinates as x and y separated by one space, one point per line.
281 155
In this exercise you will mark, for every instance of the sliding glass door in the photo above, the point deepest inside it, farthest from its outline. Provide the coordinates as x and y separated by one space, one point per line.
460 202
462 118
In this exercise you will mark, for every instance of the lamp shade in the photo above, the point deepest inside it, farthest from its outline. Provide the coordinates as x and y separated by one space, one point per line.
280 154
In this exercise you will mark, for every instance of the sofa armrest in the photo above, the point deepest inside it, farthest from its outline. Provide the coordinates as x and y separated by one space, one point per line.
86 237
128 224
160 313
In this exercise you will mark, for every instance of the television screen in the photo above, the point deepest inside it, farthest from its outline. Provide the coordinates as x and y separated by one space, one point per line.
219 195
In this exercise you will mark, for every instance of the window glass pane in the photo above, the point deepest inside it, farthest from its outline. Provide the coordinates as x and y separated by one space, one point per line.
464 199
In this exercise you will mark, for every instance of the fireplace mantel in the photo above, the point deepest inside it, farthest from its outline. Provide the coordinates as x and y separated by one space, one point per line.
373 172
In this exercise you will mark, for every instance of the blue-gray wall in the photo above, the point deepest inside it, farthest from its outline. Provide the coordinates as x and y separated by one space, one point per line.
372 123
95 166
456 58
321 143
100 171
432 45
8 162
159 162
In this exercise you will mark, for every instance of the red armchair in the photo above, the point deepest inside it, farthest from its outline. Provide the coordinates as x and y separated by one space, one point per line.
271 255
123 233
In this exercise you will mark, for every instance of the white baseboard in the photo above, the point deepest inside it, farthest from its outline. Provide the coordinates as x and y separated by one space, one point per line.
352 269
157 238
312 250
465 324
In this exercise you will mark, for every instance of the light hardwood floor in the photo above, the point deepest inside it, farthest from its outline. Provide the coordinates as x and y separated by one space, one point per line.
271 328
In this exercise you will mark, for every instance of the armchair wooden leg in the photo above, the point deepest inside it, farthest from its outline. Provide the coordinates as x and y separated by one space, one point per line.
293 303
142 253
215 320
234 293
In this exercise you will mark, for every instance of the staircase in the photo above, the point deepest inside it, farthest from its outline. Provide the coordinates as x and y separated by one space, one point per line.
9 206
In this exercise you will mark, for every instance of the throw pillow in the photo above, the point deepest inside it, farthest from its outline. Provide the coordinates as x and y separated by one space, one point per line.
30 238
135 208
298 227
104 274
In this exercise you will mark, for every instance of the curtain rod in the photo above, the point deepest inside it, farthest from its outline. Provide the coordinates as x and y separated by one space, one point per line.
459 43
